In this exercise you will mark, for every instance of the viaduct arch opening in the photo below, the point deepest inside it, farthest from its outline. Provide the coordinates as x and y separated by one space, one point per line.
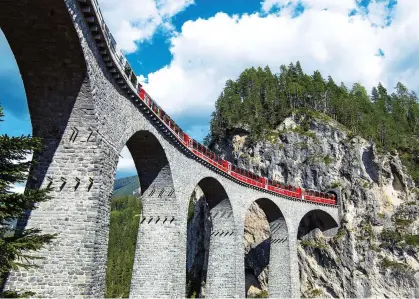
310 225
49 56
267 251
157 268
315 219
53 76
210 263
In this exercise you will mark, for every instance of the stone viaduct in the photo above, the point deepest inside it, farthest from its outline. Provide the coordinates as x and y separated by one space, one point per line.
83 108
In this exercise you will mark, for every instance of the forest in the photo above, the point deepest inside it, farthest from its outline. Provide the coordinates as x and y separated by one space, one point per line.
260 100
124 222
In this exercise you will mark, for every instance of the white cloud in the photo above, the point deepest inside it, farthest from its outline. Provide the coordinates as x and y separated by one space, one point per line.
126 163
133 21
287 6
208 51
17 188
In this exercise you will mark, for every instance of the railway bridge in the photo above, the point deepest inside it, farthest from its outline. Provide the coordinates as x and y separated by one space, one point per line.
83 105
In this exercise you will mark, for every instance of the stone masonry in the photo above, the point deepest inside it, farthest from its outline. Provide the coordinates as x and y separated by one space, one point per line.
85 119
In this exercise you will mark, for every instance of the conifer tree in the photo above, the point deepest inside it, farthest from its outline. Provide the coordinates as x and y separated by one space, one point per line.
17 244
266 99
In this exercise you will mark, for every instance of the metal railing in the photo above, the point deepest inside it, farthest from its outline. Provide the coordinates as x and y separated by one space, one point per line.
119 58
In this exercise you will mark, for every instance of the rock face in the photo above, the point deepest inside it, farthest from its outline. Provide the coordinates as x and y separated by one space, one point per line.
199 230
256 248
375 253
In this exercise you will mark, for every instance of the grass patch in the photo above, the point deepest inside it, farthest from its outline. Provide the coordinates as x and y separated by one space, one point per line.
328 160
312 244
412 240
341 232
375 248
316 293
263 294
398 238
335 185
388 264
403 222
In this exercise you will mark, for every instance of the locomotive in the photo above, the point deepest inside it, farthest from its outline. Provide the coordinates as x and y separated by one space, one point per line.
239 174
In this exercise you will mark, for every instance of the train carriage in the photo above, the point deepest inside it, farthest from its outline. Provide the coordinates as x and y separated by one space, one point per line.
237 173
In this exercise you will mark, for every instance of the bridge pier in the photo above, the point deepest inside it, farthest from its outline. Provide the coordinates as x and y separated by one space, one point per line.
81 171
279 261
224 243
159 264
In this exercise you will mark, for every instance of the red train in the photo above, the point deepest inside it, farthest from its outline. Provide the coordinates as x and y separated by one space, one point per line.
232 170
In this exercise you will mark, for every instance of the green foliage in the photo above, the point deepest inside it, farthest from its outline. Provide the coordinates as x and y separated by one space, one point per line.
262 294
315 293
16 246
259 100
328 160
312 244
335 185
125 186
412 240
403 222
124 222
191 209
304 131
394 265
393 238
341 233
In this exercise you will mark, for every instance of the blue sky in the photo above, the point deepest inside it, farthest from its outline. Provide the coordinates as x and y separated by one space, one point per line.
185 50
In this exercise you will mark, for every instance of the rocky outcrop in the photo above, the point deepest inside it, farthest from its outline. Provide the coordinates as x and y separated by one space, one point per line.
375 252
256 248
199 231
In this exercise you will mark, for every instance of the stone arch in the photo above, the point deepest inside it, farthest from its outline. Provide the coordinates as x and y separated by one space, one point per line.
54 77
157 269
279 250
221 271
316 219
150 161
50 58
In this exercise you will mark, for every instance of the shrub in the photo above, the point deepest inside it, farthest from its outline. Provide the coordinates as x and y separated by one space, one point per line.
328 160
335 185
394 265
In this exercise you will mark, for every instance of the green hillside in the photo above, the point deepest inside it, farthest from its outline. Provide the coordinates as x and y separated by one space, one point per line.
125 186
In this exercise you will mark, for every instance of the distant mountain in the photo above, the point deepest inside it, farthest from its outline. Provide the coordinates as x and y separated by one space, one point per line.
125 186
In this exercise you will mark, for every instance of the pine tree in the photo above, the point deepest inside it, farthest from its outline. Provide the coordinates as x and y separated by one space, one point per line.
16 245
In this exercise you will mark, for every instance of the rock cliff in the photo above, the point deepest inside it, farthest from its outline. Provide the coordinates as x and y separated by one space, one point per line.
375 252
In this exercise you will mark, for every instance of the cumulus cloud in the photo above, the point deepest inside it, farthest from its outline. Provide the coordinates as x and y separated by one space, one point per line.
132 21
287 6
207 52
18 188
126 163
